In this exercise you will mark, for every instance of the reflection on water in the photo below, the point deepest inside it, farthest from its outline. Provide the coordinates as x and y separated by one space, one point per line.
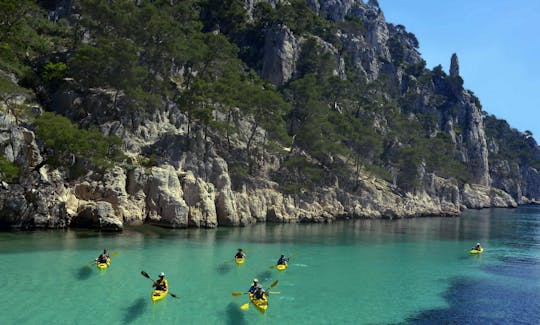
475 226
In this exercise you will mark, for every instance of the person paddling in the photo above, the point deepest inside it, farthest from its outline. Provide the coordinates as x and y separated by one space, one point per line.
259 294
240 254
254 286
477 247
161 283
103 257
282 260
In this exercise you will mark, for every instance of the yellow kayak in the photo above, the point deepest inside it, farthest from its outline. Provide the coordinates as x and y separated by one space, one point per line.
158 294
476 251
103 266
239 260
281 267
260 304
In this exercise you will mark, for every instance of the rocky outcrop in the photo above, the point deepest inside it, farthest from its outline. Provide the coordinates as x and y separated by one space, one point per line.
281 52
454 66
100 215
475 151
476 196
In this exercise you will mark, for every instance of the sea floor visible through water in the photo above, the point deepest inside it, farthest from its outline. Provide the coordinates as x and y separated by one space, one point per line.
409 271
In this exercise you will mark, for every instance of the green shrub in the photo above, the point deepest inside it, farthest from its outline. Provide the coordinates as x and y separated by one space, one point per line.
9 172
76 149
54 71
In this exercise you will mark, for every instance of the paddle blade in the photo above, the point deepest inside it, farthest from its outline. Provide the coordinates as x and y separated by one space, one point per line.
271 267
174 296
236 294
113 254
274 284
274 292
245 306
145 274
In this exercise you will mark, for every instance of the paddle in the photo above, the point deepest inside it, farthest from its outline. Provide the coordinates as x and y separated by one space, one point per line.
113 254
246 305
148 277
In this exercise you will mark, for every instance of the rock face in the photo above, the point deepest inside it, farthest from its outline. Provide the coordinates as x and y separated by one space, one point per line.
192 185
99 215
281 52
475 146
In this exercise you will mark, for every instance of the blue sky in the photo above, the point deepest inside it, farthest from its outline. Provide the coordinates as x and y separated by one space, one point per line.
497 43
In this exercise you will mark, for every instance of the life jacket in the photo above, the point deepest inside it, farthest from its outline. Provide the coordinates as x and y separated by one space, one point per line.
254 288
259 294
162 284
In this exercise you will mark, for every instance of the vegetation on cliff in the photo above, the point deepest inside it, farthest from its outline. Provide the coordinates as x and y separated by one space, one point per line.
205 57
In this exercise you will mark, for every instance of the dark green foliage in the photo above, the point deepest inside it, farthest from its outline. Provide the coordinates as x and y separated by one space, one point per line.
304 175
315 60
228 16
397 50
416 69
25 34
438 72
353 25
75 149
54 71
513 145
9 172
297 16
195 55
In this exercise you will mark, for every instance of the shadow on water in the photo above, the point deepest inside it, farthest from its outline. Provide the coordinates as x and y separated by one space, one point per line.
84 273
224 268
135 310
264 276
483 302
234 315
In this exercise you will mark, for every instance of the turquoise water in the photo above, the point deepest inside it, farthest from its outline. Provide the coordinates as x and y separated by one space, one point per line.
351 272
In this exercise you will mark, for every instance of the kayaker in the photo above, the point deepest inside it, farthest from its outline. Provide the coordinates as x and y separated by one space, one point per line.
259 293
240 254
161 283
282 260
477 247
256 285
103 257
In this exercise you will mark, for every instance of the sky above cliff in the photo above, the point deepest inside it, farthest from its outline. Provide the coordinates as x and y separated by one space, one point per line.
497 45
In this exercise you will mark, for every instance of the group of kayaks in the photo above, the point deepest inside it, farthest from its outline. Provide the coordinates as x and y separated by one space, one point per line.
262 303
157 295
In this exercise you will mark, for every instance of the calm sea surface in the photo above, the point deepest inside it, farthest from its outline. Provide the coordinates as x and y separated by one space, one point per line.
352 272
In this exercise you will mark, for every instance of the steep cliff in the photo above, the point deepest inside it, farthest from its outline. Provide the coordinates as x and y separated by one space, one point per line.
343 119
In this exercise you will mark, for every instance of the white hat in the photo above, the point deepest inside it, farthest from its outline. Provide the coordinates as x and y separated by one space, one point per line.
162 274
255 280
